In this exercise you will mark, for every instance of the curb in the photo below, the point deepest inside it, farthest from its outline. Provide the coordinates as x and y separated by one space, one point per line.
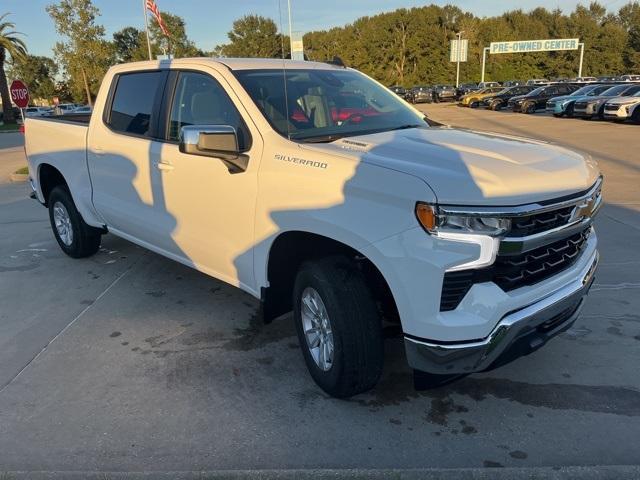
620 472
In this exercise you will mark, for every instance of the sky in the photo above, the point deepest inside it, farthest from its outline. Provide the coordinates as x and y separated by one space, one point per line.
208 21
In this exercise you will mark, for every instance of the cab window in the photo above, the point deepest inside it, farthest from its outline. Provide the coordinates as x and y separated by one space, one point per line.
200 100
133 102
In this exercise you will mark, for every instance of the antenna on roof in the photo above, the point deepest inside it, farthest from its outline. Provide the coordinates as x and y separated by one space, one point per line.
336 61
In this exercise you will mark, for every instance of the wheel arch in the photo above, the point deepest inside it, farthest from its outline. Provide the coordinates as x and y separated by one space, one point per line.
290 249
49 177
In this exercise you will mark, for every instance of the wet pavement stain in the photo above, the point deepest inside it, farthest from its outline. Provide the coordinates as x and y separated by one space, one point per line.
518 454
258 334
492 464
156 293
208 336
115 334
395 389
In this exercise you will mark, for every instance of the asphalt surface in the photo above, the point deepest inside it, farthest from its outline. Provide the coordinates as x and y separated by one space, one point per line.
128 362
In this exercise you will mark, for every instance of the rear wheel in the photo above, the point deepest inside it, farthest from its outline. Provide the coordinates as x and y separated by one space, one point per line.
75 237
339 326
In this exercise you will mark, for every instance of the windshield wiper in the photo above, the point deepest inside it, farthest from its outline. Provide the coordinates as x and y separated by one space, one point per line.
404 127
323 138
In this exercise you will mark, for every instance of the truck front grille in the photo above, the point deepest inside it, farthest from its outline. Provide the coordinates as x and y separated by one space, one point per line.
514 271
540 222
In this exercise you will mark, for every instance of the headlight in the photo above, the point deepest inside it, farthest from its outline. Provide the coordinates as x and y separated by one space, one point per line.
482 231
436 223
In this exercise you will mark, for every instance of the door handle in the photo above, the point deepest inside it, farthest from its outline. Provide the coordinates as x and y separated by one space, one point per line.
98 151
165 167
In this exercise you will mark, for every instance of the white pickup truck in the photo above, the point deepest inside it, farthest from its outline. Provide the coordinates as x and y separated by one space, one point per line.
316 189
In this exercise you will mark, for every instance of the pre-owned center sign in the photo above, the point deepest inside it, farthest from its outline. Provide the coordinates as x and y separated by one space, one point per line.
527 46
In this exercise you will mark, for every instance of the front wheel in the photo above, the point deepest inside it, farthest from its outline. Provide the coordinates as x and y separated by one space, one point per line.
635 116
75 237
339 326
529 108
569 111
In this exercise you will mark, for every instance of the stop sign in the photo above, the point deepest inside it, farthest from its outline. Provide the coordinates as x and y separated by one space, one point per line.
19 94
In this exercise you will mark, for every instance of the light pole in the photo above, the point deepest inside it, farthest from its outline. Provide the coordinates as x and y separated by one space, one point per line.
459 47
290 29
484 61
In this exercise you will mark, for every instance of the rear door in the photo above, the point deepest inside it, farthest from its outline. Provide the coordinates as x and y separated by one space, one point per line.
122 150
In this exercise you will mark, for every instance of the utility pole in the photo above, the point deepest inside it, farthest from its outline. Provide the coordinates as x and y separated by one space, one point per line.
484 62
459 47
290 30
146 27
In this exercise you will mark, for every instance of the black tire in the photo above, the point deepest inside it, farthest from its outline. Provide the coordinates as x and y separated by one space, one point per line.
529 108
475 104
557 115
85 240
635 117
496 106
355 322
569 111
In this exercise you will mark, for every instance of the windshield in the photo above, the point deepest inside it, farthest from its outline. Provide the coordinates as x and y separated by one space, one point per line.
583 90
324 105
614 91
536 91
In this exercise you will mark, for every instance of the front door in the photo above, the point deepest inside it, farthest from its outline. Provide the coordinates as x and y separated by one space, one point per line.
213 209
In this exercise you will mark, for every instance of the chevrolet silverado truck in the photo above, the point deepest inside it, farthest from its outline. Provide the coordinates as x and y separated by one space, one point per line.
477 247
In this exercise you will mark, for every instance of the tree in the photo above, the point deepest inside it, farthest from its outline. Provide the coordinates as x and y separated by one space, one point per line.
127 43
253 36
38 73
177 43
85 54
12 45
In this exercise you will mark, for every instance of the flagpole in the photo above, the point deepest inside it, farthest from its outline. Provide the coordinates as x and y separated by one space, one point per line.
146 27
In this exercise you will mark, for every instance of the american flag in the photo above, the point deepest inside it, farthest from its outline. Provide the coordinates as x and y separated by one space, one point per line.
153 8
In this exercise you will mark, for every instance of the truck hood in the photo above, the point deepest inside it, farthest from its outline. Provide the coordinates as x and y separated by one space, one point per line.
465 167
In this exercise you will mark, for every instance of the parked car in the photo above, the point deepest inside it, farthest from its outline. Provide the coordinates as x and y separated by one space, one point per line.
594 107
585 80
607 78
82 109
537 81
629 78
465 88
537 99
623 108
564 105
347 225
488 85
420 95
474 99
64 108
400 91
513 83
36 111
443 93
500 99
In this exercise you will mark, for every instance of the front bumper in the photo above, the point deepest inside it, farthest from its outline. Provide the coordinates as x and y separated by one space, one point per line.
617 114
518 333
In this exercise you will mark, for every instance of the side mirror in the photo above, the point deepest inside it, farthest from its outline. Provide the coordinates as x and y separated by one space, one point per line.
218 141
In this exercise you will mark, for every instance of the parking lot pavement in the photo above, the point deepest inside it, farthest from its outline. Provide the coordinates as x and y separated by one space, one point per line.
11 156
150 366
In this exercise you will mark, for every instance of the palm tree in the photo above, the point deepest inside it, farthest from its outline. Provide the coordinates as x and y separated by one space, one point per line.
11 45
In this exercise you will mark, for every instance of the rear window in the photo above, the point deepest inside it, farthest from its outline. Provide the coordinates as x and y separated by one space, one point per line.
133 102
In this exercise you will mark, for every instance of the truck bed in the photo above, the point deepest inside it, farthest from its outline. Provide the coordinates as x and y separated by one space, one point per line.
81 118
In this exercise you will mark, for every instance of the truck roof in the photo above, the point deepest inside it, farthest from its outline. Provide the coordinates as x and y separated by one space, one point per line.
232 63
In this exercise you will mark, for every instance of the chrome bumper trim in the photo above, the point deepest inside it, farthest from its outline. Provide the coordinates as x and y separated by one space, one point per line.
476 356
